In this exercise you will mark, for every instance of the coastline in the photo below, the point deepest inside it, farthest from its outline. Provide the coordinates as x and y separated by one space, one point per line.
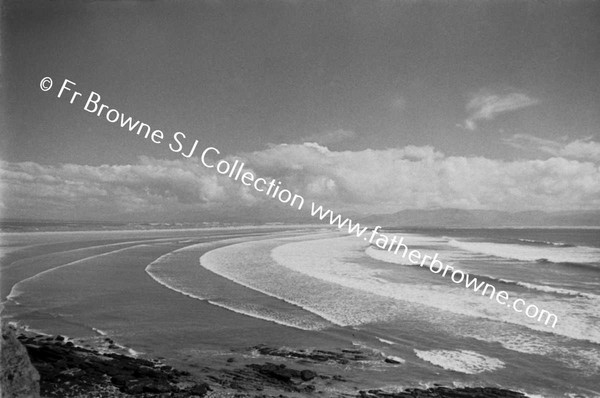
185 329
68 369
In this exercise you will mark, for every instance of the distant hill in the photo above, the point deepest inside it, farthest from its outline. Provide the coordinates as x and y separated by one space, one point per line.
483 218
257 215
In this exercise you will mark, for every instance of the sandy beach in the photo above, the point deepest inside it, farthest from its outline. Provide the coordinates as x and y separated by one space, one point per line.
213 299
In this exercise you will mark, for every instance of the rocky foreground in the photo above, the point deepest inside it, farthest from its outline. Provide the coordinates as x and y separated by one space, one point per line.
67 370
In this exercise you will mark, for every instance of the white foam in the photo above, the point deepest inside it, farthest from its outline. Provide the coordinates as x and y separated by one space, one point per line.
513 339
385 341
395 359
265 314
388 257
250 264
17 290
133 352
555 254
337 261
100 332
463 361
551 289
43 257
161 271
544 242
587 360
166 270
17 325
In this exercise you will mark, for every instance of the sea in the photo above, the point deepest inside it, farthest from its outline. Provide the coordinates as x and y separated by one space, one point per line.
187 294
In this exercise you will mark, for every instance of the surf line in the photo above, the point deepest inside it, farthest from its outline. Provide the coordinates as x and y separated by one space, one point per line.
236 172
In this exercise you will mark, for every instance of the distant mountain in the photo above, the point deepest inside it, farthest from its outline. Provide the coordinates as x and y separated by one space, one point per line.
279 213
483 218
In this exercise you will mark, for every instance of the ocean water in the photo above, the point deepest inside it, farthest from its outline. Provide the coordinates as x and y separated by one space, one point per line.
309 286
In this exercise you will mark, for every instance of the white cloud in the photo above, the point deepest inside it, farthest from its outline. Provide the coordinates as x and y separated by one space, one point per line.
584 148
417 177
370 181
486 106
91 191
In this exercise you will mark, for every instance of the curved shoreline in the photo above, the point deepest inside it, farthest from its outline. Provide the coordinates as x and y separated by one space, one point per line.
116 293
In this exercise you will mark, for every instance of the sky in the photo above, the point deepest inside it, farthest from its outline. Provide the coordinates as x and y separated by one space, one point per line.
365 106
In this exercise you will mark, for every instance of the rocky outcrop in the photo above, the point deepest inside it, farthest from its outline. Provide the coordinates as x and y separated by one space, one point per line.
70 371
19 379
260 377
342 356
445 392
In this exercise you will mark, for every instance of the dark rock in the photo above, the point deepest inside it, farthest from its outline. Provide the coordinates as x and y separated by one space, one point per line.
72 372
145 371
343 357
200 389
309 388
445 392
133 387
278 372
18 377
159 387
237 386
68 371
120 380
392 361
307 375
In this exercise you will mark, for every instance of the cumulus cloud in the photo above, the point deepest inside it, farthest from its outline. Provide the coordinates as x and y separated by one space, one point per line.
329 137
83 191
369 181
419 177
584 148
486 106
